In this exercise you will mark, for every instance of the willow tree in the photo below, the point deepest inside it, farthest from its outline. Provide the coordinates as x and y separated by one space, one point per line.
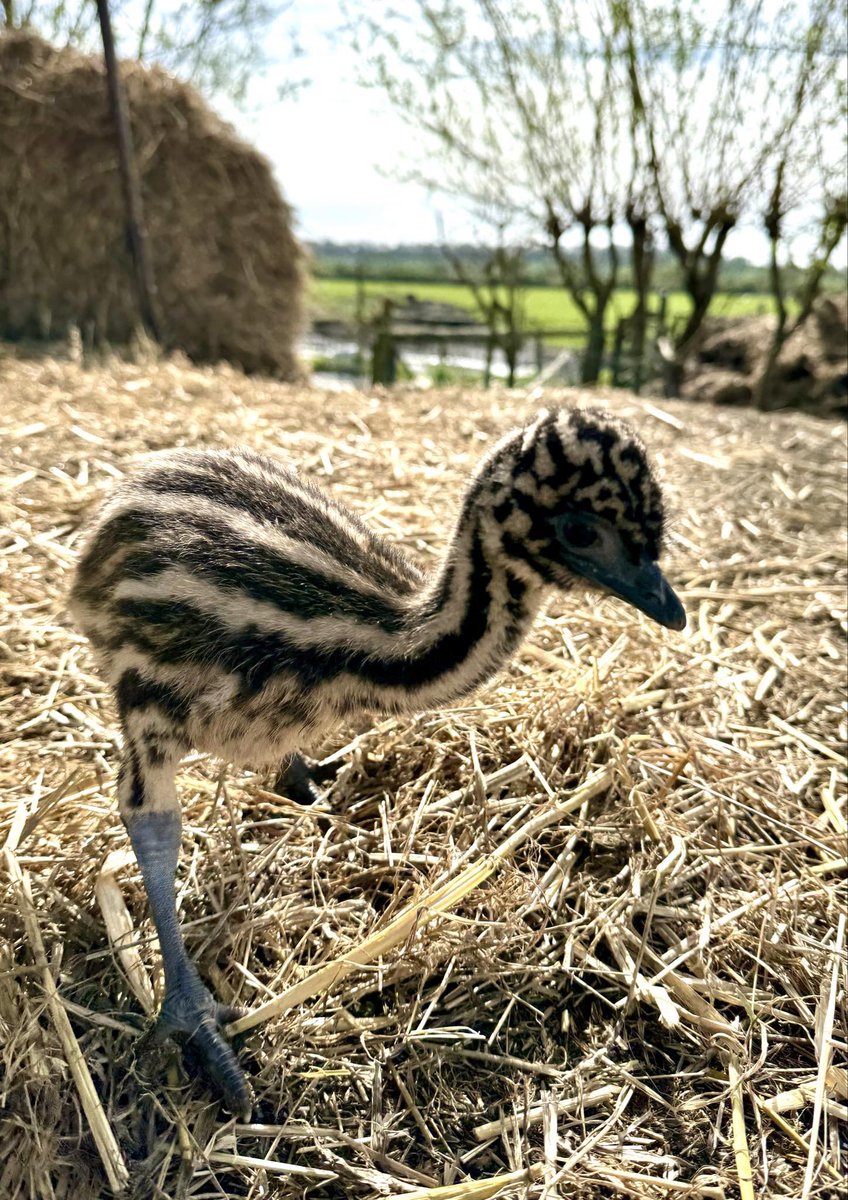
718 94
612 128
517 101
805 210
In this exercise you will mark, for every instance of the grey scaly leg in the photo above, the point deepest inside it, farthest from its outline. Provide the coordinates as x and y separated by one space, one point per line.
189 1009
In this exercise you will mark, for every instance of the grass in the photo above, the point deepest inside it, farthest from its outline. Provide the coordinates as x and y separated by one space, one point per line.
546 308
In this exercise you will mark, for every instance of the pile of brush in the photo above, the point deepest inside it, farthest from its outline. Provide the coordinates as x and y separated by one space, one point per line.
811 373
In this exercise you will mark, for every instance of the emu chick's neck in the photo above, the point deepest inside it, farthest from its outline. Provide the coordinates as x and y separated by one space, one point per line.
466 621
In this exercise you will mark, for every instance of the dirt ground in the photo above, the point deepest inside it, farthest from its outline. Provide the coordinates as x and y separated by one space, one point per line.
607 893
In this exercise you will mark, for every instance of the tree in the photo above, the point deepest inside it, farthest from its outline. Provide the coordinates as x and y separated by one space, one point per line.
595 203
517 107
624 126
709 96
495 280
218 45
145 280
809 169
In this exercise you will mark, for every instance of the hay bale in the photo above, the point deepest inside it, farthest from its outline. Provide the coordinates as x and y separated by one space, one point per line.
811 373
727 347
229 270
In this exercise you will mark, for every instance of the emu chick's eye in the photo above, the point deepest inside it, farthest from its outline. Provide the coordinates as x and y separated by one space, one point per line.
579 535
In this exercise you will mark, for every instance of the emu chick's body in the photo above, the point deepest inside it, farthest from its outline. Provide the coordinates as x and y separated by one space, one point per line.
239 610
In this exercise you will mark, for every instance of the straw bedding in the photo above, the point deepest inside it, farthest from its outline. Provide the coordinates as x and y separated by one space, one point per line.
228 267
581 937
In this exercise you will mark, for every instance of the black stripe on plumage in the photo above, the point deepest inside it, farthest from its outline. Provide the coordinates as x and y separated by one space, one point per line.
291 505
178 633
134 691
209 548
130 780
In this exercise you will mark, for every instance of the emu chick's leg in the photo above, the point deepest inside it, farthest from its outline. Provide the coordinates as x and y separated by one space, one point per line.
150 811
296 779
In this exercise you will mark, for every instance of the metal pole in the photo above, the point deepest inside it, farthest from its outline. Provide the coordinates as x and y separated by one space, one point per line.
145 281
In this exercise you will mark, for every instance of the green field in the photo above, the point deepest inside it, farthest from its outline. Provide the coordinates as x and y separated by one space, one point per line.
547 308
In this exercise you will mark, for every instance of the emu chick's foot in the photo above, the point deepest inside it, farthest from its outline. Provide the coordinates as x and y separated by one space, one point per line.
192 1017
298 780
190 1014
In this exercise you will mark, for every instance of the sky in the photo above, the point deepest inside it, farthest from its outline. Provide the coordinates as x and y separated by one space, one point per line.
335 146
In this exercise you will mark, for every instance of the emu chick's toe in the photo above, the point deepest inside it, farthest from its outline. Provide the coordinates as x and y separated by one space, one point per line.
216 1059
193 1018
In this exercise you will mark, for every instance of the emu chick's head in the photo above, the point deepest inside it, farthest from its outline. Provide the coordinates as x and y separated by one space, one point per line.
573 494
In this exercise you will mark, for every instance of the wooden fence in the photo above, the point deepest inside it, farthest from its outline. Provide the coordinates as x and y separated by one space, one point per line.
382 339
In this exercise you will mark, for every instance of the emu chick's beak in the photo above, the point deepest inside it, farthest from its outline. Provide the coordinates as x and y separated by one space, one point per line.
644 586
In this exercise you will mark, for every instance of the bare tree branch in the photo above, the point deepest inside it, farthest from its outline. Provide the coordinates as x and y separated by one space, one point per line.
218 45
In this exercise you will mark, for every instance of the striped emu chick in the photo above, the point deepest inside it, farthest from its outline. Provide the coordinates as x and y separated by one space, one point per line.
240 610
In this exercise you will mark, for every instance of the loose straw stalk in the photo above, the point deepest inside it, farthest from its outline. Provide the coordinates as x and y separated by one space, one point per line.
121 931
740 1140
824 1046
421 912
476 1189
413 918
101 1130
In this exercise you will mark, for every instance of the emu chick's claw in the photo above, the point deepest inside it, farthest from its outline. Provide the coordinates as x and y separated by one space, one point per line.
216 1058
195 1020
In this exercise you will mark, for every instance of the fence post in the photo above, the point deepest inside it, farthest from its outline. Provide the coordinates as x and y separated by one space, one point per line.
384 349
360 321
145 281
616 353
487 369
636 381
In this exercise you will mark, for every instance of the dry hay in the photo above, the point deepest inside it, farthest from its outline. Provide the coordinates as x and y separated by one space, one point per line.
637 987
811 373
228 267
